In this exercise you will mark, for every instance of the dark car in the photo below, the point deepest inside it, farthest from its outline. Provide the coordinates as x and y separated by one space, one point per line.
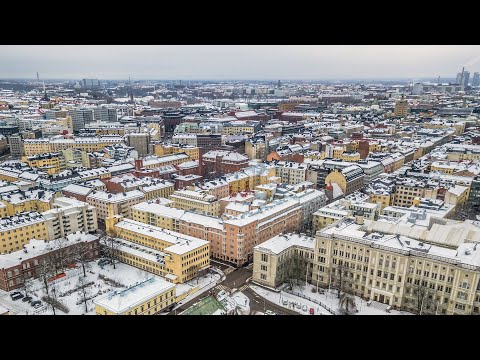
36 304
15 293
27 298
17 296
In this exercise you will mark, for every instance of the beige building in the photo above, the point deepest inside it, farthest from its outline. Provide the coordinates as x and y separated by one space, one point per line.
69 215
199 201
114 204
428 271
270 256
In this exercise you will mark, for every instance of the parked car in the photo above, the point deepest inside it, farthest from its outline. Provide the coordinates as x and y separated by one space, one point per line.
305 308
27 298
312 311
270 312
38 305
35 302
17 296
285 302
14 294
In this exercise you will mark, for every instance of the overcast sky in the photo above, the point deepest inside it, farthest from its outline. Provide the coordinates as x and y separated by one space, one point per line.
218 62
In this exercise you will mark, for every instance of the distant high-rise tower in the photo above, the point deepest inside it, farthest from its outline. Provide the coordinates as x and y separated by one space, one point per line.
463 77
38 77
279 84
476 79
466 77
401 107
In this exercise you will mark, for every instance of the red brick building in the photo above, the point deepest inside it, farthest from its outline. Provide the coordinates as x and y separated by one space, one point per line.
219 162
29 262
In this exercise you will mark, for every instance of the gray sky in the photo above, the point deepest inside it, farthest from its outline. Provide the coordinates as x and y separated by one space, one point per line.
269 62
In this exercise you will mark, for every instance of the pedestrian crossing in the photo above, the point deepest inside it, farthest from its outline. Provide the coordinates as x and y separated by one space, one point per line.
243 287
223 287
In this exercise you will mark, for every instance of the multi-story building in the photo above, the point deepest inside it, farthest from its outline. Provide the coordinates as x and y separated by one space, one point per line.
401 107
56 144
68 215
180 256
220 162
26 263
349 179
291 172
162 149
16 145
149 297
140 142
154 162
17 230
391 268
257 148
108 204
342 208
198 201
270 257
80 117
51 163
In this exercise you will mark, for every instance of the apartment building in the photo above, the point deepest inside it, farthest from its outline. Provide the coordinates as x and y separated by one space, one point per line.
114 204
291 172
349 179
149 297
391 268
51 163
342 208
153 162
68 215
270 257
27 262
181 255
161 149
17 230
58 143
198 201
219 162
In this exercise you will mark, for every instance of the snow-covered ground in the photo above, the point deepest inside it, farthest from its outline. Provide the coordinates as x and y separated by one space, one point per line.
124 275
327 298
289 301
204 283
242 303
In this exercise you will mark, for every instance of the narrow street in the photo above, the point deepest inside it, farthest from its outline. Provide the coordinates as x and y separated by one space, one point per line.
237 279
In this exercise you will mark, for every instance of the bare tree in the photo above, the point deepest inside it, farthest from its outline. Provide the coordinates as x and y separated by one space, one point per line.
60 255
425 300
27 283
339 278
83 291
110 247
45 272
82 255
293 270
346 302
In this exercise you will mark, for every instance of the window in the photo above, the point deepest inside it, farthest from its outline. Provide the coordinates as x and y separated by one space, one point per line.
263 276
264 257
263 267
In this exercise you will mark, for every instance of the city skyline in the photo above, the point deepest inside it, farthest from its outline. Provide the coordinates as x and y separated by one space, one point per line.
237 62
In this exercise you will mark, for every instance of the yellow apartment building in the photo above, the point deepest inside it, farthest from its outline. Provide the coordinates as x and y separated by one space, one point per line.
166 149
18 230
195 200
148 297
50 162
158 215
182 255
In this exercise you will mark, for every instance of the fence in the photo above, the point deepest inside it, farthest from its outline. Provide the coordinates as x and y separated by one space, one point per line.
330 310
